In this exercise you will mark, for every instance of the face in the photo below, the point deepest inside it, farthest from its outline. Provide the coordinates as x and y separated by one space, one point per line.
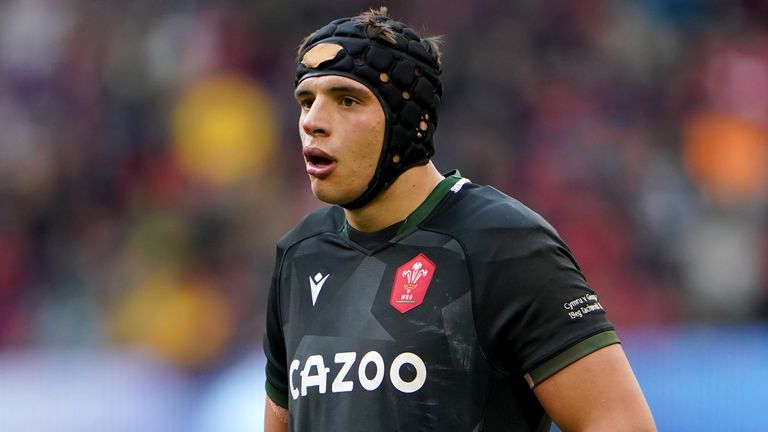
342 132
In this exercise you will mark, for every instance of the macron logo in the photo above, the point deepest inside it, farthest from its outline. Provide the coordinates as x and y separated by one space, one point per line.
316 284
459 184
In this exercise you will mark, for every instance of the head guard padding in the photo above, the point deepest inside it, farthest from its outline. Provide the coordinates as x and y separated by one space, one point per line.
403 75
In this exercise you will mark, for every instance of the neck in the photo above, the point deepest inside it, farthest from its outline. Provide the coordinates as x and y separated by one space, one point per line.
397 201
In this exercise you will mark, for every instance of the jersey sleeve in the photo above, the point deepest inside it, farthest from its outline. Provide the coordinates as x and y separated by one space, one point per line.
535 312
274 344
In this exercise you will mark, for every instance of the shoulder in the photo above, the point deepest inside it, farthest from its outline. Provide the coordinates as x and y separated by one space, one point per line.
480 209
324 220
496 230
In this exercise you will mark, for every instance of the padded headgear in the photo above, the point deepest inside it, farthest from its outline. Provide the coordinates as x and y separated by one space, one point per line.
403 75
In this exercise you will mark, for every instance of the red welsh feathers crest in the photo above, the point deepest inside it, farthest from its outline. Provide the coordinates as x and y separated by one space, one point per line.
411 282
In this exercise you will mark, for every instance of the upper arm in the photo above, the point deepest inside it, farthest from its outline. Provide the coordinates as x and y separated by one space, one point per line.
275 417
535 312
599 392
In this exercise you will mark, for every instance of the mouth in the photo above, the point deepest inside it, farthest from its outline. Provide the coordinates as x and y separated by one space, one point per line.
318 163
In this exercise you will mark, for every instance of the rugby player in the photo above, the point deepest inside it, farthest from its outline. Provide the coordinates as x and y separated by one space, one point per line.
420 301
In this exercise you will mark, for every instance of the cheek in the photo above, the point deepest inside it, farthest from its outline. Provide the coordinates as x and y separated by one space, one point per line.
370 150
377 143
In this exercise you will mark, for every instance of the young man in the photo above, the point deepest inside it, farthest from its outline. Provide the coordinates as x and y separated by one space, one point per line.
423 302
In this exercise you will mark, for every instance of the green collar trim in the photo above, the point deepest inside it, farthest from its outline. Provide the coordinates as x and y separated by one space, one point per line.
429 204
426 207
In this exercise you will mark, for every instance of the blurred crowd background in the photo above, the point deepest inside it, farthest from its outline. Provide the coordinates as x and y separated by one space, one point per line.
149 161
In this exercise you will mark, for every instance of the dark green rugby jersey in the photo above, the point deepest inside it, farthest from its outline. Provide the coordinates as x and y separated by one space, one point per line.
447 326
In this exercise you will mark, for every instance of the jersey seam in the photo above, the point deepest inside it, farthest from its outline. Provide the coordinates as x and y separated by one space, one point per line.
471 290
480 342
470 273
362 249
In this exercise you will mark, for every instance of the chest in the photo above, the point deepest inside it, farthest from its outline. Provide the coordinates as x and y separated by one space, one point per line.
393 321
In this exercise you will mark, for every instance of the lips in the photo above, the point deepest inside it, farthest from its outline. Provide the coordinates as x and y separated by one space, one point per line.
319 163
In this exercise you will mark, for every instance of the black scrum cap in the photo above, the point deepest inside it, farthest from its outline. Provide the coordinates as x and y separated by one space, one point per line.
403 75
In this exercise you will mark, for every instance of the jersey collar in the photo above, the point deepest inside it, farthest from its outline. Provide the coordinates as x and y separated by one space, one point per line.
426 207
432 200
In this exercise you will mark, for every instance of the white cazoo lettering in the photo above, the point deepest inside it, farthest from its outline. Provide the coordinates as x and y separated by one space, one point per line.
417 363
320 380
375 382
315 374
294 366
339 385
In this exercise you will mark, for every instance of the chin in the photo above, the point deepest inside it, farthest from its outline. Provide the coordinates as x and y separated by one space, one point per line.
329 197
326 196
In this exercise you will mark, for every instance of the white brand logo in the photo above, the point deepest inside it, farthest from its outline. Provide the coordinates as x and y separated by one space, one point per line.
459 184
315 373
316 284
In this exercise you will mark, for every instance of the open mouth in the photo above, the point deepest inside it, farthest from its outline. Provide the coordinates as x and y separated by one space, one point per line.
319 161
315 156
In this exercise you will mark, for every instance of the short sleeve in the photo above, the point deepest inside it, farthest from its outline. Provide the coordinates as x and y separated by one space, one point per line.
274 345
534 310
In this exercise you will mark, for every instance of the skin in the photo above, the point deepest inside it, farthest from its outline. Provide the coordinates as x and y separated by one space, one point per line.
597 393
344 120
275 417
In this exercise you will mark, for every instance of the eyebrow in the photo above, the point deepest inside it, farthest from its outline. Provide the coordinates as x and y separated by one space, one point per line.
342 89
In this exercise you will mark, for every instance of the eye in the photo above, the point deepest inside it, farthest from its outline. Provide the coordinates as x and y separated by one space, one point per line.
305 103
348 101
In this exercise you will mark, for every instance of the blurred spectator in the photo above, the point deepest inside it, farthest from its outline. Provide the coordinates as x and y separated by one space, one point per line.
149 158
725 151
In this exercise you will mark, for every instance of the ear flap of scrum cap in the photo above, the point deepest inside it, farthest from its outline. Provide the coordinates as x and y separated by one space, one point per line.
403 75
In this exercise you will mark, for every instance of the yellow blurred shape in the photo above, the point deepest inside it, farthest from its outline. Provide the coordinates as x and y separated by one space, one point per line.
223 129
184 320
727 156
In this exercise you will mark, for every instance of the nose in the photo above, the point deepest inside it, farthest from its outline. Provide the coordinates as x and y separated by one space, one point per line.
314 122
